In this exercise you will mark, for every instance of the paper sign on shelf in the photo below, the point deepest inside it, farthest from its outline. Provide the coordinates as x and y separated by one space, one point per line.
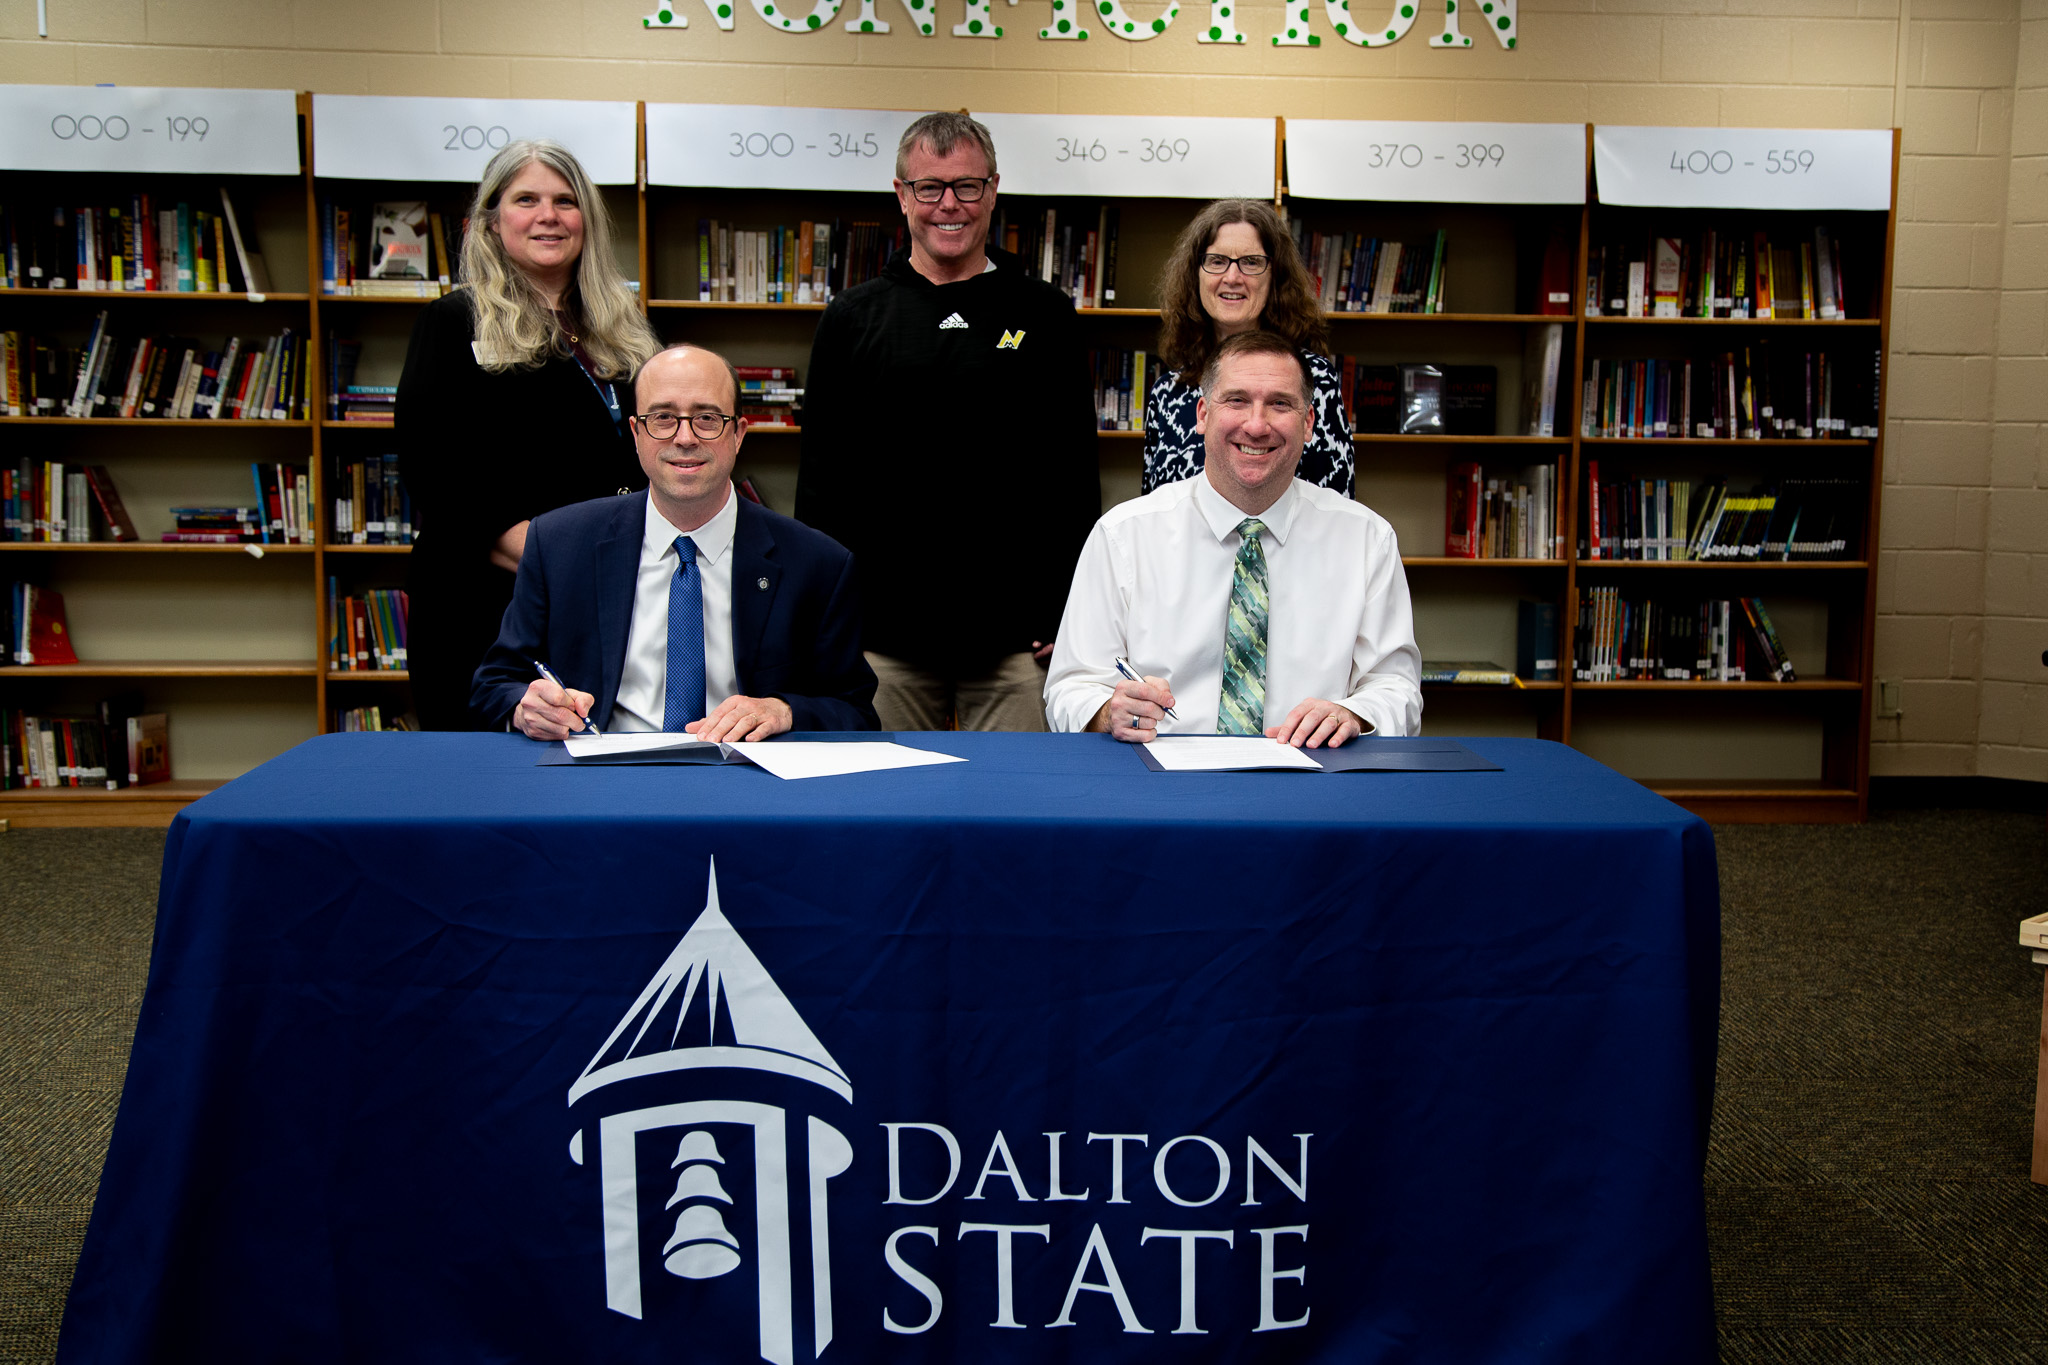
1744 168
1168 156
148 128
398 137
747 146
1450 163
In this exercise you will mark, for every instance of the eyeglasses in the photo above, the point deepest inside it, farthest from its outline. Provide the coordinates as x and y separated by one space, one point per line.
708 426
1215 263
967 191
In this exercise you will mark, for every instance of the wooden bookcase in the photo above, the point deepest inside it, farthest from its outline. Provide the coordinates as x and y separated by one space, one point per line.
235 647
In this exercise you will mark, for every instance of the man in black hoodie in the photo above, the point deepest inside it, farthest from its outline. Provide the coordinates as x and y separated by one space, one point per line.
949 442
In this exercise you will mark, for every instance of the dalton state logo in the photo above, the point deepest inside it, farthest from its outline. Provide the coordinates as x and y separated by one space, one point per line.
712 1081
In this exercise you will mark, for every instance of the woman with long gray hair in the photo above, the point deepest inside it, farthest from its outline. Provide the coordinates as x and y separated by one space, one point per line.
513 402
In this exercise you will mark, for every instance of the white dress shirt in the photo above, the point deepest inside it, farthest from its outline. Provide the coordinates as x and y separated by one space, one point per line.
643 684
1153 585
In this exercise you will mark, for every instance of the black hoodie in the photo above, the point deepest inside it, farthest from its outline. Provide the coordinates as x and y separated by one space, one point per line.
949 443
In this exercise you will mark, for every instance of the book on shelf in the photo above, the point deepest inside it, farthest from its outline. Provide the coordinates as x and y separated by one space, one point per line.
1554 282
140 244
1353 272
1536 640
257 379
76 751
1673 520
1542 362
149 749
749 492
368 404
398 241
369 501
805 263
255 274
36 628
50 502
1121 380
1420 399
769 394
1469 673
1372 396
382 251
343 354
1074 249
1759 392
1718 273
1502 516
79 751
357 719
1676 639
216 526
366 631
284 502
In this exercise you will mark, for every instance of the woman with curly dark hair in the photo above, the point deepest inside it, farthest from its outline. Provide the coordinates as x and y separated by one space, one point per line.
1234 270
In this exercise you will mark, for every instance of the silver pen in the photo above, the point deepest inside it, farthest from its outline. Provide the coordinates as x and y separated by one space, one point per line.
1123 666
589 726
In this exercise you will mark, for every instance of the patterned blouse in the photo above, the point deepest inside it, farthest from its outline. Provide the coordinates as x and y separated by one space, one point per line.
1173 448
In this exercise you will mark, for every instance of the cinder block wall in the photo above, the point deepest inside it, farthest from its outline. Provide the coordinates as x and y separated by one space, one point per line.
1963 575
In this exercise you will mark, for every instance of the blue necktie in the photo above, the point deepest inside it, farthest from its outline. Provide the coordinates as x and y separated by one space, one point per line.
684 701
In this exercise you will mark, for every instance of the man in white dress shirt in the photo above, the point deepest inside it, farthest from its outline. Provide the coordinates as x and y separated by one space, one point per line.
1247 601
685 608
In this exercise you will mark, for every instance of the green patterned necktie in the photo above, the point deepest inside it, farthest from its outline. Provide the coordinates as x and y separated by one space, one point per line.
1243 711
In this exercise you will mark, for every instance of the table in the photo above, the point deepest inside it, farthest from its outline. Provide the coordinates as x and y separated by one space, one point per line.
1041 1056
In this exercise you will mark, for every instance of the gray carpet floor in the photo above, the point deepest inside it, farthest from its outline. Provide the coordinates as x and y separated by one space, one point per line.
1867 1190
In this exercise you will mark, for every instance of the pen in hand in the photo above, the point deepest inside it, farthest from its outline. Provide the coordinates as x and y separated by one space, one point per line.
1123 666
589 726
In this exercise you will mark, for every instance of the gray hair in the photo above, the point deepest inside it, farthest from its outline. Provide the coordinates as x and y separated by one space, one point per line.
942 133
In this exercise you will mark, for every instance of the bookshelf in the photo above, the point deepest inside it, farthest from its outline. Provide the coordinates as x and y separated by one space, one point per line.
234 646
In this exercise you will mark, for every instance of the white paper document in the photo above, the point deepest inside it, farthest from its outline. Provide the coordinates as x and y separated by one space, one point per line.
1214 754
646 743
797 758
804 759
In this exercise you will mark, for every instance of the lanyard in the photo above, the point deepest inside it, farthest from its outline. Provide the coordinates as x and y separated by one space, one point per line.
608 393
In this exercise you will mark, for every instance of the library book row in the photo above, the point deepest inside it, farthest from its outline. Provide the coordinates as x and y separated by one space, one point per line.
140 245
49 502
366 633
162 377
116 745
1755 393
1718 274
1674 520
1676 639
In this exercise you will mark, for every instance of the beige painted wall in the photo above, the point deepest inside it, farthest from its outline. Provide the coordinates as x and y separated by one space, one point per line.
1964 568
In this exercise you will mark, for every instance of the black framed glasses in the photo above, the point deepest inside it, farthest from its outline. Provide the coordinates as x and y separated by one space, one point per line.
967 191
1215 263
708 426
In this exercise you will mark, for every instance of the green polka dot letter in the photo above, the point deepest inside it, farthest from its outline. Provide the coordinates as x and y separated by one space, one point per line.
1378 23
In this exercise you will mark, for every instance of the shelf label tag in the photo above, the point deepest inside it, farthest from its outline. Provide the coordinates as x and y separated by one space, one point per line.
1126 156
148 128
1744 168
1442 163
764 147
399 137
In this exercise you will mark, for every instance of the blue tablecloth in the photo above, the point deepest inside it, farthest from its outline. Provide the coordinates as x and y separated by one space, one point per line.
1041 1056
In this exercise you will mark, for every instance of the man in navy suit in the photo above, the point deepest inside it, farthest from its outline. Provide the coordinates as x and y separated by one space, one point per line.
686 608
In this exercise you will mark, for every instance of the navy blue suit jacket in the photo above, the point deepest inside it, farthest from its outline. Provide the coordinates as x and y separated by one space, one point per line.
795 615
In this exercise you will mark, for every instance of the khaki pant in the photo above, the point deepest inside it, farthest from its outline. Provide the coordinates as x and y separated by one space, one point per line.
1010 696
